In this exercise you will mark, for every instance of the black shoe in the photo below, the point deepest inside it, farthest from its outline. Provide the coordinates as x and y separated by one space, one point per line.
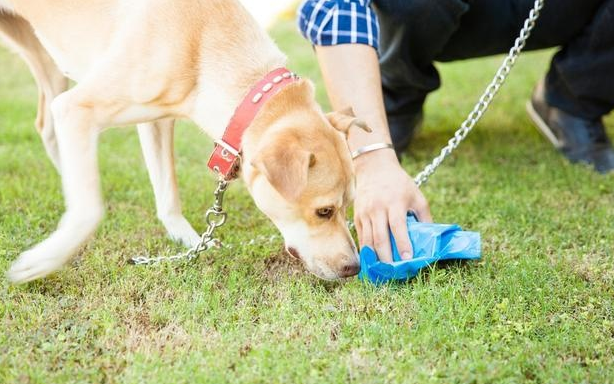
578 139
403 129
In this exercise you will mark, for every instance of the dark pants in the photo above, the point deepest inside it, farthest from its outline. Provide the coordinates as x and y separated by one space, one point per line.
415 33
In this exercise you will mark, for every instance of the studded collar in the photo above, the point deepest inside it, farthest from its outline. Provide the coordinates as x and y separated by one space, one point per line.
226 157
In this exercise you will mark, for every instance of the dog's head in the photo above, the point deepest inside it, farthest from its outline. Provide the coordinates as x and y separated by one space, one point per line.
299 171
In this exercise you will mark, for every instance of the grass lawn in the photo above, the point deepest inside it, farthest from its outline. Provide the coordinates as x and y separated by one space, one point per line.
539 307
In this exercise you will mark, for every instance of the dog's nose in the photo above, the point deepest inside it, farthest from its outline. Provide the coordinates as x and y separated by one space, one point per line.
349 270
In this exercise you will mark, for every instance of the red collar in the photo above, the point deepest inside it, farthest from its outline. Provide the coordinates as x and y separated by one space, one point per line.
226 157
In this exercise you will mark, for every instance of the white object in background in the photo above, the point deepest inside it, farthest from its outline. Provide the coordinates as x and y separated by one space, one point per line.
6 6
267 11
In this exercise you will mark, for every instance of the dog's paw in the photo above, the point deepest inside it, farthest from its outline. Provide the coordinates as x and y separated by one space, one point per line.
180 230
34 264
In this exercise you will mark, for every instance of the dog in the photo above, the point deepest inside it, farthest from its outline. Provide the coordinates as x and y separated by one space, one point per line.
150 62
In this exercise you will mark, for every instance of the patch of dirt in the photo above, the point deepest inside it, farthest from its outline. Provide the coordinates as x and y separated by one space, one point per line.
141 337
245 350
280 265
594 268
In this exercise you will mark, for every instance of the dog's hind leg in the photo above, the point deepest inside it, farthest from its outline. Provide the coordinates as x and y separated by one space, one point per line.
157 144
19 35
135 79
80 114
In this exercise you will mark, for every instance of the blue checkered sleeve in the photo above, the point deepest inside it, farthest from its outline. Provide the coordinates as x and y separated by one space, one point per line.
332 22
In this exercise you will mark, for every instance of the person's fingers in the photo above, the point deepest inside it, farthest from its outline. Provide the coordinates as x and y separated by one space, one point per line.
381 238
398 226
365 236
358 227
422 210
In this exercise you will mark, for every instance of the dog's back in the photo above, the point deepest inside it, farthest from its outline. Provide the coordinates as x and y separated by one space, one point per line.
80 33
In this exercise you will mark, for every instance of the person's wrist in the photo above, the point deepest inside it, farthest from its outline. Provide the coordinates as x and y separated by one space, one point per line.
380 159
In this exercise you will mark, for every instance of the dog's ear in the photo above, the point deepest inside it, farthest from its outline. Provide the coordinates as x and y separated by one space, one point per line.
345 119
286 166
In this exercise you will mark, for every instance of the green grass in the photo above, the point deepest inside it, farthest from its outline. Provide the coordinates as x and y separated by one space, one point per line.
538 308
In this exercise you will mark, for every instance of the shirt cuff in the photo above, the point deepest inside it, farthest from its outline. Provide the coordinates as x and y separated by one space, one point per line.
333 22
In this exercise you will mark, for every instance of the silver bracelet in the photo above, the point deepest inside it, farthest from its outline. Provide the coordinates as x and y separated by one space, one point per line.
370 148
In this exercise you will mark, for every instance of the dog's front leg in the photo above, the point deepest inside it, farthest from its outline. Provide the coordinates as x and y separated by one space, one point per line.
157 144
77 133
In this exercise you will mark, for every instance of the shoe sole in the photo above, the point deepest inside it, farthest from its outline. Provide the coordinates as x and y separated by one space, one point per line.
542 126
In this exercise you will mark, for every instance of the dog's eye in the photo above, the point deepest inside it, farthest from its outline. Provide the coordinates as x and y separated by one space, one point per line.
325 213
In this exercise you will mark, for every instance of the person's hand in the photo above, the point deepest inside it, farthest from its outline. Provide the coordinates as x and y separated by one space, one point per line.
384 195
384 191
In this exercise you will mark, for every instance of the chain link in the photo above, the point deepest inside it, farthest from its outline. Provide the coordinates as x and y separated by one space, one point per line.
216 216
487 97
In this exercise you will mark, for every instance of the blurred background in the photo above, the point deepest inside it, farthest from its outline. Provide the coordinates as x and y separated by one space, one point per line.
267 11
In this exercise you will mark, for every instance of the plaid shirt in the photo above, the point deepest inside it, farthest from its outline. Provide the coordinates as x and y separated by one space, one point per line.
332 22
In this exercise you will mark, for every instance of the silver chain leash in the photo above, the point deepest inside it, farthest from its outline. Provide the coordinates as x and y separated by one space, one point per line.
491 91
216 216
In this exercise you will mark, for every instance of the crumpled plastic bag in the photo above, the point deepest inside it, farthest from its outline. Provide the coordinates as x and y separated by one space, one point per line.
431 243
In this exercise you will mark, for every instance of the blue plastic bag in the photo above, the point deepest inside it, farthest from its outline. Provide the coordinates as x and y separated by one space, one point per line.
431 243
